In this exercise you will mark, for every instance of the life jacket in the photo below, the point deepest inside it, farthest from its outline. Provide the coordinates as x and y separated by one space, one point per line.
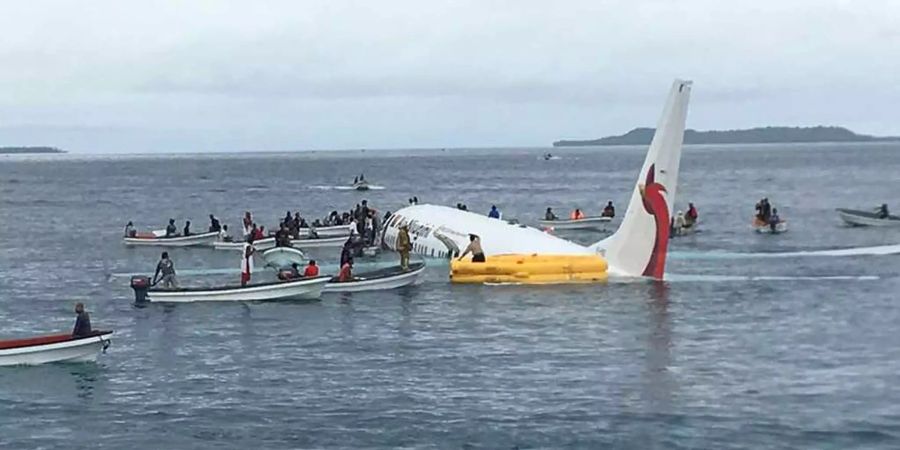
311 271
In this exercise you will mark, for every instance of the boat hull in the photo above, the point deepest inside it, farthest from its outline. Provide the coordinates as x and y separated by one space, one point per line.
300 289
867 219
379 280
761 228
262 244
204 239
588 223
85 349
280 257
328 232
319 243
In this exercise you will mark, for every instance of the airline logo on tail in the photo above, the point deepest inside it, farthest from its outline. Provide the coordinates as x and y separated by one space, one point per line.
653 195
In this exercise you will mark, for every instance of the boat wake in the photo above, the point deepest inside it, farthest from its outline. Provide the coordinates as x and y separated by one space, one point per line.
681 278
878 250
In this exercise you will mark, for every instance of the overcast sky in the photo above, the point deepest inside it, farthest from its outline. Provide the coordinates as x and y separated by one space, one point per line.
145 76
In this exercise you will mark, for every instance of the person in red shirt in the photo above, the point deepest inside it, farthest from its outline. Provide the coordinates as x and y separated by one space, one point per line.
247 264
346 272
312 270
259 233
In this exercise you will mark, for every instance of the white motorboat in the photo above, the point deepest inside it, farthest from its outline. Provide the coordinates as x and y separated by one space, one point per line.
867 218
361 185
202 239
320 242
53 348
296 289
281 257
261 244
328 232
764 228
588 223
378 280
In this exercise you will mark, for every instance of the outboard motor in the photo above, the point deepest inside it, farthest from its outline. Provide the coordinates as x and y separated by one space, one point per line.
141 285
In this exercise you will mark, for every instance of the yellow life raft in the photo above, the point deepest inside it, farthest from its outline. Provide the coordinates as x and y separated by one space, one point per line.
531 269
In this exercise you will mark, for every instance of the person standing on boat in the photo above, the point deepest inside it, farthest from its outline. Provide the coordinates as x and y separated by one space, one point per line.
247 264
166 267
474 248
404 245
214 225
609 210
283 237
549 214
187 228
129 230
248 225
171 229
883 212
82 322
494 213
774 219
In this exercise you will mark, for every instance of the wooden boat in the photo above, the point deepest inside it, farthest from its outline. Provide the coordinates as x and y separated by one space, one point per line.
378 280
202 239
867 218
297 289
588 223
53 348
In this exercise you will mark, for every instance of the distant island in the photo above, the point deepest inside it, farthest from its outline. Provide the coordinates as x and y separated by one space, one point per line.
763 135
24 150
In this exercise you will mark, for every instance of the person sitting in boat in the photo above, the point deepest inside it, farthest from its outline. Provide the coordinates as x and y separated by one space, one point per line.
549 214
130 232
346 273
494 213
259 233
171 229
282 237
576 215
678 224
774 219
289 274
166 267
187 228
247 264
223 234
82 322
883 212
214 225
474 248
609 210
691 217
312 270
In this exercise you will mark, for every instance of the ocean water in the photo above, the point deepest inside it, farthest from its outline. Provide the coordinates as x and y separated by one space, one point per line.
741 348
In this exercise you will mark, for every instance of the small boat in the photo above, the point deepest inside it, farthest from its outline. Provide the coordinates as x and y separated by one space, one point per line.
378 280
550 157
764 228
53 348
262 244
328 232
153 239
281 257
319 242
362 185
588 223
867 218
296 289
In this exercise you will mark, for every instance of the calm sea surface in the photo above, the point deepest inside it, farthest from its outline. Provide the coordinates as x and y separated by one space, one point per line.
735 351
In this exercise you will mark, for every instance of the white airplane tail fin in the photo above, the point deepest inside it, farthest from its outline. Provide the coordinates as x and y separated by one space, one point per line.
639 246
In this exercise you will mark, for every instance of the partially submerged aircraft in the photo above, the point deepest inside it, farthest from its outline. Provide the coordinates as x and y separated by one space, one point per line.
520 254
